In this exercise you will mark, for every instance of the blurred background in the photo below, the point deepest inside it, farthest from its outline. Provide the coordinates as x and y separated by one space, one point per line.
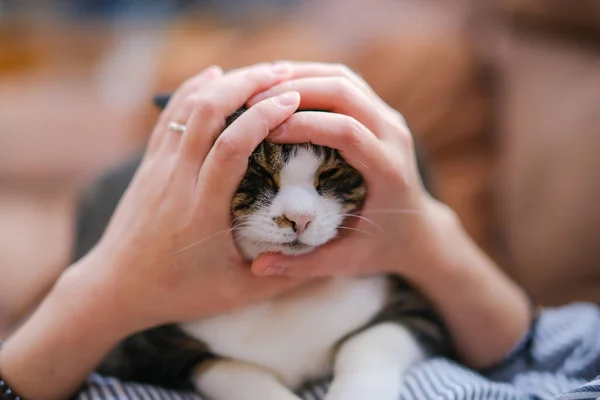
504 96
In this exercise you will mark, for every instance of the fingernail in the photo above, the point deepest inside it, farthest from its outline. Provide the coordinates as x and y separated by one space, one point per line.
274 271
288 99
283 69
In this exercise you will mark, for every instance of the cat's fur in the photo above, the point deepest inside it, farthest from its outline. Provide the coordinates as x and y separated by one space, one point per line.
366 331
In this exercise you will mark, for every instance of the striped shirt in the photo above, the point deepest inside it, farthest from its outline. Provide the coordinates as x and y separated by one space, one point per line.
555 361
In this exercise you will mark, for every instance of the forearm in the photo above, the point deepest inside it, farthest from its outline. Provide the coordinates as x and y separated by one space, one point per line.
485 311
51 355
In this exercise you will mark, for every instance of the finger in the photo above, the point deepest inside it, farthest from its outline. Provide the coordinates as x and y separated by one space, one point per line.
214 103
335 94
259 288
304 69
333 258
356 144
227 161
176 102
187 88
184 108
299 69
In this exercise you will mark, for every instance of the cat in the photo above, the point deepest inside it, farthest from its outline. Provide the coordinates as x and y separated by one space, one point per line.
365 331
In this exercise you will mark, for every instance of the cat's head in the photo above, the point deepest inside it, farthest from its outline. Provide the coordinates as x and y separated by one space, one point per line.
293 198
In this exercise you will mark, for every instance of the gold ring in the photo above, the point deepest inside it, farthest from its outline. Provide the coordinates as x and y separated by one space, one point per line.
177 127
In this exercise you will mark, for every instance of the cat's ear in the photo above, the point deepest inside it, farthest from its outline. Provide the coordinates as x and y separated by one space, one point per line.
161 100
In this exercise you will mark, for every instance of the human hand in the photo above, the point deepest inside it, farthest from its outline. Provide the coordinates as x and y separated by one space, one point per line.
398 228
168 254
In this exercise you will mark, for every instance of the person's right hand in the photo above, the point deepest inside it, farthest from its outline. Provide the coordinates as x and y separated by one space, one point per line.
168 253
400 224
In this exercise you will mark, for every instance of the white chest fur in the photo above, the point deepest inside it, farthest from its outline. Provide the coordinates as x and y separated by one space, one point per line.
293 336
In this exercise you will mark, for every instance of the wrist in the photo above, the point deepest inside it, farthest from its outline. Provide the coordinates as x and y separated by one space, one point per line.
438 241
445 258
484 310
64 339
90 293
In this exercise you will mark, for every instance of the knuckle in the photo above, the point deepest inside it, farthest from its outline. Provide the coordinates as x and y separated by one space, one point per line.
398 119
189 103
187 84
286 86
262 66
205 108
195 83
396 174
345 89
342 69
406 139
190 83
300 120
396 169
263 114
264 110
226 147
352 131
259 74
405 136
243 71
397 122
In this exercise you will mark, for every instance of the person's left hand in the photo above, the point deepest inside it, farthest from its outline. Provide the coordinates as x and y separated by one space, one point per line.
398 231
168 253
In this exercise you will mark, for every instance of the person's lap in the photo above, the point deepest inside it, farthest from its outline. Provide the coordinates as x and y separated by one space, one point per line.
434 379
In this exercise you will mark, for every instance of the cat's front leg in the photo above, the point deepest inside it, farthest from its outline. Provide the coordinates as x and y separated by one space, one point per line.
236 380
371 364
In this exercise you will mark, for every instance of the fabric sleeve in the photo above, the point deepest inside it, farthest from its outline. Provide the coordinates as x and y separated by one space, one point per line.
564 340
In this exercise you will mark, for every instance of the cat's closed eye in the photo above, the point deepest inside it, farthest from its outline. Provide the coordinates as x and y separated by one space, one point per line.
264 174
325 176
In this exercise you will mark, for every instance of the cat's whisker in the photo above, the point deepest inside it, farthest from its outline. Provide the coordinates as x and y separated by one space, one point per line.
240 220
235 239
357 230
243 225
223 232
364 219
238 229
246 224
361 163
394 211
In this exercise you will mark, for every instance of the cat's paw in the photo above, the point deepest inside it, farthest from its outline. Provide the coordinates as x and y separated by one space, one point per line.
365 390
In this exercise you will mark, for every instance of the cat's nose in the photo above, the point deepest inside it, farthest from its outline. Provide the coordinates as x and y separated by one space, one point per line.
299 221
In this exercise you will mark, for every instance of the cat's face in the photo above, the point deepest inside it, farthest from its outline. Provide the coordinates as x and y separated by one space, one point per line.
293 198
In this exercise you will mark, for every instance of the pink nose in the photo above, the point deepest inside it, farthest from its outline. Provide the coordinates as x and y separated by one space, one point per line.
299 221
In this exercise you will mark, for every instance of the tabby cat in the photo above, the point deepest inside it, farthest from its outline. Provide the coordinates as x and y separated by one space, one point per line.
365 331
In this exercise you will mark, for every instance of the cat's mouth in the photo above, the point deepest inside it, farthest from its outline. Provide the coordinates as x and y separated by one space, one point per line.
295 247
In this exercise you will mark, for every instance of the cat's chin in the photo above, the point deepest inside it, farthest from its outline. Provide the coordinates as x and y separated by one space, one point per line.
295 249
251 250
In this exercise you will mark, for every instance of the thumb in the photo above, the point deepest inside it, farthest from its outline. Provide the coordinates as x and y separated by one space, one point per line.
335 258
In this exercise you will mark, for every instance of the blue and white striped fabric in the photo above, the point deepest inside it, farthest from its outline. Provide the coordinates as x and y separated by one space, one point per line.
563 353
